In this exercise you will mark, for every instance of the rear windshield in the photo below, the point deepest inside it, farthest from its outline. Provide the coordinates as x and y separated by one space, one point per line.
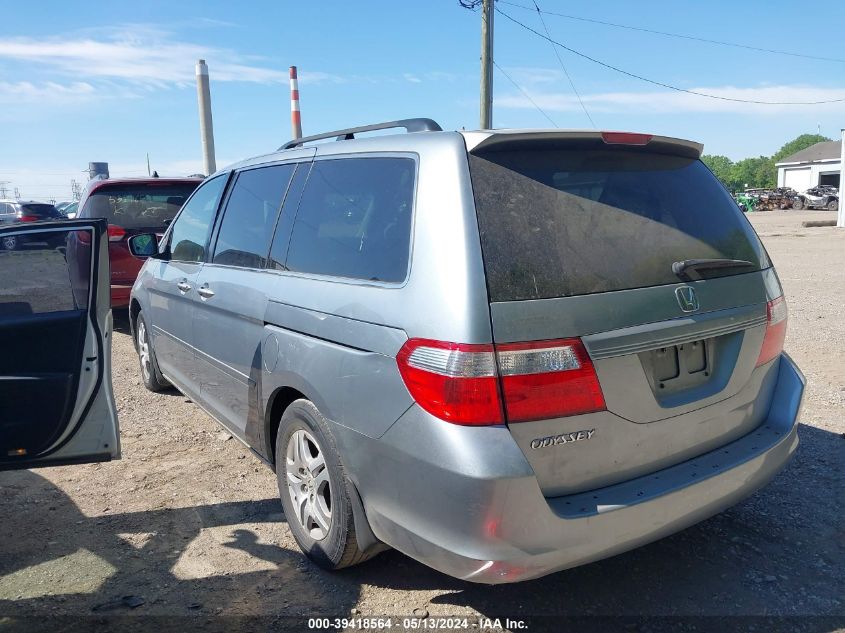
138 206
41 210
557 223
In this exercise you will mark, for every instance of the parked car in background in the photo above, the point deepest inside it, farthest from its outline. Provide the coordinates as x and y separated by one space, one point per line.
821 197
69 210
15 211
503 353
60 206
132 206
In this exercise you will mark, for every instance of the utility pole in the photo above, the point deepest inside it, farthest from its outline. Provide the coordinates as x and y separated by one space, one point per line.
295 114
3 184
206 124
486 64
840 220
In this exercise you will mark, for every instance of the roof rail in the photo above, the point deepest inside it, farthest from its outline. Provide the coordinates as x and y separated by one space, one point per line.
410 125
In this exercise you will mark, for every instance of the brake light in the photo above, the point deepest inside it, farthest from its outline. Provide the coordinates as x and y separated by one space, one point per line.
548 379
625 138
455 382
116 233
29 218
461 383
776 314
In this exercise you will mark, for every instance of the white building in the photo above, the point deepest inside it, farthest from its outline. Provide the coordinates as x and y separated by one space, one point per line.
819 164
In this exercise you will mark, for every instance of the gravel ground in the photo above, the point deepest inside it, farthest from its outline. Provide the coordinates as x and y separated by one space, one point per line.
190 524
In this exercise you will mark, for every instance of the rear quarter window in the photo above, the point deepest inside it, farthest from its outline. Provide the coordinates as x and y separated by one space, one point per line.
557 223
354 219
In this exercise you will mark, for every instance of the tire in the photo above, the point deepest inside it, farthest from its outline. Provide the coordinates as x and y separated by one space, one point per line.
150 373
833 205
11 243
798 204
308 469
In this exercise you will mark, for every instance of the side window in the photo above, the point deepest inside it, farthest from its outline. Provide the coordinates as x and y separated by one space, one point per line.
251 211
354 219
189 234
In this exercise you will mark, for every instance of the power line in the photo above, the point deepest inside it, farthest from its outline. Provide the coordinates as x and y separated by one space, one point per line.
527 96
660 83
678 35
560 61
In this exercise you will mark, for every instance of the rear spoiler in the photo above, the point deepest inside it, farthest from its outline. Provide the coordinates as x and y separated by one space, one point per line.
495 140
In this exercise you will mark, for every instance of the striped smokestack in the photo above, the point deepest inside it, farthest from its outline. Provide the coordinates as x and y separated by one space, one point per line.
295 116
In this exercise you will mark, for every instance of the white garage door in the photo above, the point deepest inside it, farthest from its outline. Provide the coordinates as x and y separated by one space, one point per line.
798 179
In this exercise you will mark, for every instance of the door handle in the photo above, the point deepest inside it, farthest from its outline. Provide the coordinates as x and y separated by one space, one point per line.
205 292
183 286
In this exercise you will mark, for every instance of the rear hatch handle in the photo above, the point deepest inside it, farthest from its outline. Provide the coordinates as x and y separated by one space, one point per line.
688 269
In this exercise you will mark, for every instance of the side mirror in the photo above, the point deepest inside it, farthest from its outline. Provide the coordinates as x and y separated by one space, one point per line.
143 245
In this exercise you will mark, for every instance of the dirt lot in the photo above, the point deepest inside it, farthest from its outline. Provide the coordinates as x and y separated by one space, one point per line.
189 521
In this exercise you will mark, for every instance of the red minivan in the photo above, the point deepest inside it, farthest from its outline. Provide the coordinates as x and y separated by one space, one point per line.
132 205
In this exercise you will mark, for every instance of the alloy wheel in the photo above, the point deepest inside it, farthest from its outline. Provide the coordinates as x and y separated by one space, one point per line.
308 484
144 350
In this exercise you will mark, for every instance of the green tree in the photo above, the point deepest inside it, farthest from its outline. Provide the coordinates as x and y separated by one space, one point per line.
755 172
796 145
758 172
721 167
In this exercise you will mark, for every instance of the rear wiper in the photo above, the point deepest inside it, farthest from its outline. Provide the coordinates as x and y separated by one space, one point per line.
683 268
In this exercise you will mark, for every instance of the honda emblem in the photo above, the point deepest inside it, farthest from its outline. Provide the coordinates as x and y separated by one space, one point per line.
687 298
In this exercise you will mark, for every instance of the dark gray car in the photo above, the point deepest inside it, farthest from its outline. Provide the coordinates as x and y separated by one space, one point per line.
24 211
503 353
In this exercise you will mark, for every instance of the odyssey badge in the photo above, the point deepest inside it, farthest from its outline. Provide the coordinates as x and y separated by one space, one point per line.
563 438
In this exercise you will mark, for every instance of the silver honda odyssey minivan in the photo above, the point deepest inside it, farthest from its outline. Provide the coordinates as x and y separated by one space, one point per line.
503 353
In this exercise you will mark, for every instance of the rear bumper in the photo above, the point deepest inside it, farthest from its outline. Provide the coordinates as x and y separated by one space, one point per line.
464 500
120 295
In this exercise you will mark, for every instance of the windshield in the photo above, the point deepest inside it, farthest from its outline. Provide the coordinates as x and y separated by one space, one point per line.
139 206
558 222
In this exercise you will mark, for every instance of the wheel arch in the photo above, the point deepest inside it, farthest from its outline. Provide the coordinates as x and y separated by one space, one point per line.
277 403
134 311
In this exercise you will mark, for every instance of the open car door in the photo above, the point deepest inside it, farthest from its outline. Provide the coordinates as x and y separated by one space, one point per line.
56 400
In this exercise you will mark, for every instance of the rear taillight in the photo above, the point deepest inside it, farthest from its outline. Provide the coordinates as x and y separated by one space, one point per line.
775 331
452 381
30 218
116 233
460 383
548 379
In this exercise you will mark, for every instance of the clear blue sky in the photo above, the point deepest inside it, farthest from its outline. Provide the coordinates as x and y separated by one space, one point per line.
111 81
